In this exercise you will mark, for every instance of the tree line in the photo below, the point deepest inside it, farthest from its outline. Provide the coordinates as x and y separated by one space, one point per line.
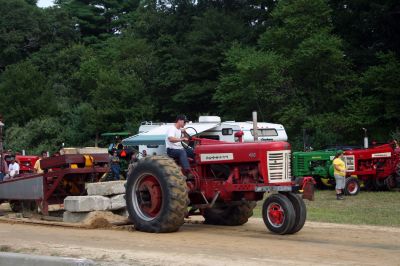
83 67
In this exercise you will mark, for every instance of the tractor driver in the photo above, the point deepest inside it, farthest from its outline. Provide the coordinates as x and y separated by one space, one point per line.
173 142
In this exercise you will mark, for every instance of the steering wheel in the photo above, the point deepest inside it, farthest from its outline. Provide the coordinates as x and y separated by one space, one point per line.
188 144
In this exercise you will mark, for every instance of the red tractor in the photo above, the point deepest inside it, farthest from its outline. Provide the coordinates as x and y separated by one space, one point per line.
229 178
378 167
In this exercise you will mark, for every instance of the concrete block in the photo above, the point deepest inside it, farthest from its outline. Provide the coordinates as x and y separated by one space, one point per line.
106 188
86 203
12 259
118 202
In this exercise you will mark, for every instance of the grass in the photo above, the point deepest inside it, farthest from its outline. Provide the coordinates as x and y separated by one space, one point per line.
370 208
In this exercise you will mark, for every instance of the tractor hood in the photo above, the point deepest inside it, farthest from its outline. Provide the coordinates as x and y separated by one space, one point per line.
157 135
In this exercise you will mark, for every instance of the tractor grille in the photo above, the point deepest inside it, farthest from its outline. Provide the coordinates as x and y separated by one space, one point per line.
278 165
349 161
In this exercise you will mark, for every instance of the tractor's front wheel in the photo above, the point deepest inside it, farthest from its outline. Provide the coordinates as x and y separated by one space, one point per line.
230 215
156 195
352 186
300 212
278 214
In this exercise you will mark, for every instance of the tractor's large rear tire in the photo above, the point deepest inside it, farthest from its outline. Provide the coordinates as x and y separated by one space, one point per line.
156 195
278 214
352 186
230 215
300 212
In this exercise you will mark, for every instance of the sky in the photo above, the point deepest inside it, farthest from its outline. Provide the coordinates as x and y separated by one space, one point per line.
45 3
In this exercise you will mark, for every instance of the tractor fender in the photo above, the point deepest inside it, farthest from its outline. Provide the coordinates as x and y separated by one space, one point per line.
331 170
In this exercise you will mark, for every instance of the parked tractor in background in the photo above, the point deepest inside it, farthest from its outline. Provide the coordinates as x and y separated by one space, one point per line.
318 164
229 178
378 167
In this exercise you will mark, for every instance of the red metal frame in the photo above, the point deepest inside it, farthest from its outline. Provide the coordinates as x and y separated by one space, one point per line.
64 176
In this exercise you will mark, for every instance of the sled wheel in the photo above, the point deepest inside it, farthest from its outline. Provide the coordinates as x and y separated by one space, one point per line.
278 214
300 212
156 195
352 186
15 205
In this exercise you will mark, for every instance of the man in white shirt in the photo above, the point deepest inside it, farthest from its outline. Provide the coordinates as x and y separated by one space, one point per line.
174 145
13 169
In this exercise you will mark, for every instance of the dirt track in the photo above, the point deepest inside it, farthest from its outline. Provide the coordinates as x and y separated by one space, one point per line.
198 244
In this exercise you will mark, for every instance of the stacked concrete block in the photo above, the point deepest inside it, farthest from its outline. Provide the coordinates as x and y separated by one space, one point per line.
106 188
118 202
86 203
102 196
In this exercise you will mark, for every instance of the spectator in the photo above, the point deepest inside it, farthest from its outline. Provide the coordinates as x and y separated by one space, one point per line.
340 174
3 168
13 169
37 168
114 165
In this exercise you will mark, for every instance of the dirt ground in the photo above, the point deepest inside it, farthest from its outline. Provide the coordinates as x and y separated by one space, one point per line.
199 244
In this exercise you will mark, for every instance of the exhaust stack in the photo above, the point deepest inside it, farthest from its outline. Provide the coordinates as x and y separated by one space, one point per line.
365 138
255 127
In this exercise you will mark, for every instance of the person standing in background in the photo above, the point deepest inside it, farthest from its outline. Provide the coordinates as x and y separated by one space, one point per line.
3 167
114 165
340 174
37 167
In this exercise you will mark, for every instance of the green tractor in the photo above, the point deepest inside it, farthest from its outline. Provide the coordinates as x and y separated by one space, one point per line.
318 164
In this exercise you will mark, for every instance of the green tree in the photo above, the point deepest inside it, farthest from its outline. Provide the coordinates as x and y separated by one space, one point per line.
367 27
98 20
382 84
254 80
25 94
20 31
42 133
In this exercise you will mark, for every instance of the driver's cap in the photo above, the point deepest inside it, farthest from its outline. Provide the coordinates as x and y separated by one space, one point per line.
181 117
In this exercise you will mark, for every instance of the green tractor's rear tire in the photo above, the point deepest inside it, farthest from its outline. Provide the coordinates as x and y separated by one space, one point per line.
278 214
156 195
231 215
352 186
300 212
